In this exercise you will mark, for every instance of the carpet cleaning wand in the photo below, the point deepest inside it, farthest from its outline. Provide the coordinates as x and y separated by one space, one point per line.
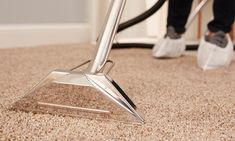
94 76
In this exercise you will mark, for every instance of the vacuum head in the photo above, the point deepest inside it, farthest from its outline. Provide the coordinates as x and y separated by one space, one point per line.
77 93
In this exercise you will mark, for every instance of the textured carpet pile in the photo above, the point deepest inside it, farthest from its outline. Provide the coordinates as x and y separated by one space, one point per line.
178 100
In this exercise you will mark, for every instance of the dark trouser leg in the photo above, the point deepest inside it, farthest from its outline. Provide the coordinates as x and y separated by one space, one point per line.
224 13
178 12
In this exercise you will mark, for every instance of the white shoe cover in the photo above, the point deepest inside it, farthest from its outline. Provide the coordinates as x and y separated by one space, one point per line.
169 48
211 56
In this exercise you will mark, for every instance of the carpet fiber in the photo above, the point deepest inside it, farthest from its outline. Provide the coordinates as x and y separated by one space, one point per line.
179 100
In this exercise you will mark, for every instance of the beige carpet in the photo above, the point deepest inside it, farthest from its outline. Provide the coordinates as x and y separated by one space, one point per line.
179 100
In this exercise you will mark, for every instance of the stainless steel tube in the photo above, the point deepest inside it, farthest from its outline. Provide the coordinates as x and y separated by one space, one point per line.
107 35
195 12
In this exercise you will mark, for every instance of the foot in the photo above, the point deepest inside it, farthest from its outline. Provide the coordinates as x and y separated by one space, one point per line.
215 51
171 46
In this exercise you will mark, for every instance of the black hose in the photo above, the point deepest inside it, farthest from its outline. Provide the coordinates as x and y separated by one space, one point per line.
142 16
135 21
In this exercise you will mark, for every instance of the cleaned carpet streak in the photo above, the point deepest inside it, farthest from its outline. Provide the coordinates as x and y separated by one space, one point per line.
178 100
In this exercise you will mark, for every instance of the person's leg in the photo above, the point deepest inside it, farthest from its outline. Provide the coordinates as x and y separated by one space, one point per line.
178 12
216 48
173 45
224 13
